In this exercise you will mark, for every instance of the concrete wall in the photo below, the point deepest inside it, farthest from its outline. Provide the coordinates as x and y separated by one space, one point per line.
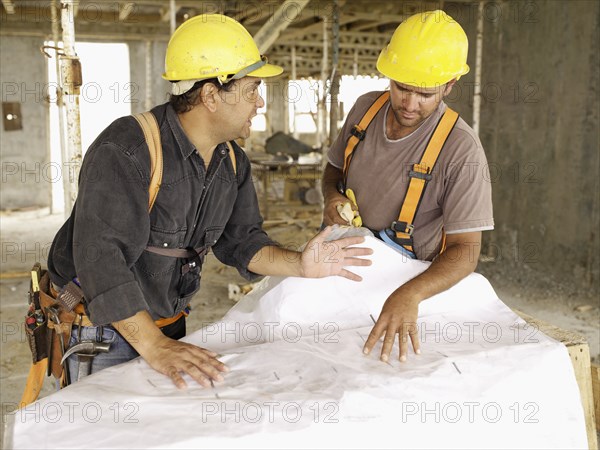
540 131
159 87
24 154
461 98
27 173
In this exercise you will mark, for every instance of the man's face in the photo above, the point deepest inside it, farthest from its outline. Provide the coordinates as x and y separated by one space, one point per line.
242 103
412 105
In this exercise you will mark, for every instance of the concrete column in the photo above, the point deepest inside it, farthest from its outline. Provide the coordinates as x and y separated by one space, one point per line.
70 83
277 106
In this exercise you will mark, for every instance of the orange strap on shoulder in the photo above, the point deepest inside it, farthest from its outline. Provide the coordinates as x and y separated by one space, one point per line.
358 131
232 156
152 134
420 175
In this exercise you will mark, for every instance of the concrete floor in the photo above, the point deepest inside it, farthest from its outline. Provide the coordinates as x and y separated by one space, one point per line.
26 238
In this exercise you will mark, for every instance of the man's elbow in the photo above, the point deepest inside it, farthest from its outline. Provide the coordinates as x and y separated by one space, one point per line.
464 258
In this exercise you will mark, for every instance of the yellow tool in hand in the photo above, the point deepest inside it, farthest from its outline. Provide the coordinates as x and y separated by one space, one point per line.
347 213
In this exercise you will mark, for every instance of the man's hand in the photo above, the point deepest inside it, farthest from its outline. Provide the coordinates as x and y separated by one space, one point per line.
331 177
398 317
331 216
400 310
322 259
168 356
171 357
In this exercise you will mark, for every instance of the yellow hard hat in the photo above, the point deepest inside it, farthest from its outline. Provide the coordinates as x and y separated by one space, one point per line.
213 46
427 50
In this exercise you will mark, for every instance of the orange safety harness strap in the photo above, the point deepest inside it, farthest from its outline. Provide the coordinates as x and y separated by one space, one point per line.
232 156
420 174
151 131
358 131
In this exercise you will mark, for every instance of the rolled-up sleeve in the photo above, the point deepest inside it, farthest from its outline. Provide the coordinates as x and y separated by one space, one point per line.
111 231
243 235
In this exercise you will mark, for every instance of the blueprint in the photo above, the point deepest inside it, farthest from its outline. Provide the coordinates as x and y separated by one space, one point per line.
298 379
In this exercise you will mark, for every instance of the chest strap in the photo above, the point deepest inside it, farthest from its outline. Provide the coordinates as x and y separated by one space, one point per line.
359 132
196 255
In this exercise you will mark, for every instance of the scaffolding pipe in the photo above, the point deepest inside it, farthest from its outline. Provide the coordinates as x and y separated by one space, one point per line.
478 56
59 100
282 18
294 79
335 76
173 16
321 106
70 83
148 100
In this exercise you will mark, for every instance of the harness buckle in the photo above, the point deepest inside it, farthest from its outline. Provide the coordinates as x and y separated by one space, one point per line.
420 171
357 132
420 175
403 227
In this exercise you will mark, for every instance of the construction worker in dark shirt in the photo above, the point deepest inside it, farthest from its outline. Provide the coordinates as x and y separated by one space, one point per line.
126 260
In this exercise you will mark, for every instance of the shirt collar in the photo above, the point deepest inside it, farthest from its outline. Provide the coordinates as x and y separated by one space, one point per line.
185 145
428 124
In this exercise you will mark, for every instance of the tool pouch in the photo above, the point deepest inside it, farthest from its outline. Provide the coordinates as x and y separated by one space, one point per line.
66 318
189 282
35 325
36 338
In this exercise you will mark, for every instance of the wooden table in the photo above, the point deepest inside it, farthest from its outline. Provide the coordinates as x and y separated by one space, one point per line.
579 352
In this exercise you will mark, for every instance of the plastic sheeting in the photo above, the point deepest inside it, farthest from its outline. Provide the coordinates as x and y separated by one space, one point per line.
485 379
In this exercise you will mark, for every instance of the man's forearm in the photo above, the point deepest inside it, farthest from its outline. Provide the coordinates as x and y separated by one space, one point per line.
331 176
277 261
168 356
320 258
140 331
332 198
457 262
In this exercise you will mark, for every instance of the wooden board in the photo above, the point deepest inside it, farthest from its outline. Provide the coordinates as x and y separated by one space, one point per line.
596 391
579 352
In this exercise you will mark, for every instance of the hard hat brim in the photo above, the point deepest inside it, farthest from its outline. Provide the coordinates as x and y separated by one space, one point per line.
266 71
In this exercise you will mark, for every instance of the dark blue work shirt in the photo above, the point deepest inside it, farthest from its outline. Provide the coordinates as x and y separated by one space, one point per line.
103 241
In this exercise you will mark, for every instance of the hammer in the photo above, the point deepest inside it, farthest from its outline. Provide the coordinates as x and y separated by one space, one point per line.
52 313
86 351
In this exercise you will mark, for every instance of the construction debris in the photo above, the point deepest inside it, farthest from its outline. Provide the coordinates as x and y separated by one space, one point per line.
237 291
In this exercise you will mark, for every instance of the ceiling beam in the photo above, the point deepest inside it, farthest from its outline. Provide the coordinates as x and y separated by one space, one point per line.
126 10
378 17
365 26
8 6
294 34
281 19
165 13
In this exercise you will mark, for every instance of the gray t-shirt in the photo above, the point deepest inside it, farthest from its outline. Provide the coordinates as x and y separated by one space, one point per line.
458 199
